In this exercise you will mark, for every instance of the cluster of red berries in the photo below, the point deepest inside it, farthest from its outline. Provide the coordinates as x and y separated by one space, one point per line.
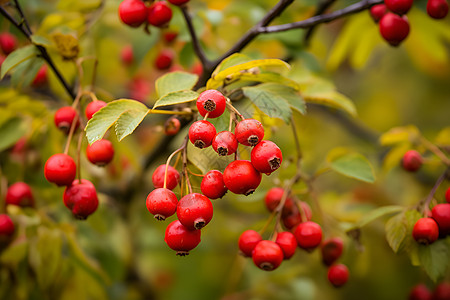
393 22
421 292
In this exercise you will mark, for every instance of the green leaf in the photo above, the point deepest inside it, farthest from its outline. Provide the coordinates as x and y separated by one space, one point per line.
128 122
378 213
176 98
25 73
396 231
435 258
11 131
207 159
353 165
230 61
15 252
175 82
17 57
40 40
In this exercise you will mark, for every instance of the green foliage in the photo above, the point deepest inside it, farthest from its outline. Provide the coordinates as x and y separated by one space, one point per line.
435 258
17 57
11 131
174 82
352 165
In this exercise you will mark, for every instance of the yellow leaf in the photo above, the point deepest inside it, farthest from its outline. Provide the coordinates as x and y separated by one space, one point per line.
67 45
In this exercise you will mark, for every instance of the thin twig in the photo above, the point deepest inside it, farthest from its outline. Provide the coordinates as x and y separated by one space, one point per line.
424 204
195 41
321 8
24 20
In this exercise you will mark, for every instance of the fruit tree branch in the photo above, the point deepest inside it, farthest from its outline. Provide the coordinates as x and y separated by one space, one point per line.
321 8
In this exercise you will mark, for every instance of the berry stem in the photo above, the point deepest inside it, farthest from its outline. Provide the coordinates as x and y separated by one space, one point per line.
423 205
80 138
435 149
233 109
188 183
167 164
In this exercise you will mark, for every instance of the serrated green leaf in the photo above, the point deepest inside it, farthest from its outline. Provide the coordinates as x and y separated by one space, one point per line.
40 40
17 57
175 82
396 230
207 159
11 131
128 121
435 258
353 165
404 134
176 98
378 213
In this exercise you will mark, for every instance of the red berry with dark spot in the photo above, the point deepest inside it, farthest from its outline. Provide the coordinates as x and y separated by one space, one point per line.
178 2
162 203
267 255
437 9
308 235
81 198
172 126
441 292
378 11
331 250
202 133
225 143
93 107
266 157
133 12
127 55
60 169
394 28
241 177
19 193
338 275
8 42
181 239
164 59
412 161
248 241
287 243
420 292
295 217
6 226
212 102
249 132
399 7
212 185
64 118
447 195
425 231
159 14
441 214
41 77
194 211
100 153
173 177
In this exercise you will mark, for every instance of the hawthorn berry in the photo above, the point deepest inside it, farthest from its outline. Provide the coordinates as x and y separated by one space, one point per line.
178 2
225 143
412 161
425 231
241 177
338 275
100 153
8 42
41 77
267 255
93 107
420 292
212 102
19 193
6 226
60 169
173 177
194 211
212 185
81 198
202 133
441 214
394 28
447 195
295 217
181 239
170 36
378 11
308 235
249 132
266 157
164 59
64 117
172 126
399 7
287 242
247 242
162 203
331 250
133 12
442 291
159 14
127 55
437 9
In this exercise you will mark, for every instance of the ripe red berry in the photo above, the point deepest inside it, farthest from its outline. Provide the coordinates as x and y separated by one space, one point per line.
331 250
399 7
447 195
412 161
247 242
93 107
194 211
212 185
172 126
178 2
159 14
287 243
202 133
164 59
442 291
181 239
308 235
173 177
211 101
249 132
19 194
60 169
425 231
267 255
133 12
8 42
41 77
420 292
127 55
378 11
441 214
81 198
266 157
170 36
273 198
437 9
162 203
394 28
6 226
294 217
64 118
225 143
241 177
338 275
100 153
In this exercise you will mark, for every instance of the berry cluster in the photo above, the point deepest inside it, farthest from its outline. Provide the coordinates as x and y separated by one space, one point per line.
421 292
427 230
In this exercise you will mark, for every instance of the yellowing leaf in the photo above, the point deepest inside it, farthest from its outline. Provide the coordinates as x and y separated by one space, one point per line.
67 45
404 134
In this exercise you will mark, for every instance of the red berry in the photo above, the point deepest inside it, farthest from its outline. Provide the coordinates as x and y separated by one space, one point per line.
338 275
308 235
65 116
197 68
447 195
225 143
420 292
287 243
173 177
100 153
399 7
93 107
442 292
202 133
194 211
267 255
273 198
249 132
133 12
181 239
172 126
19 194
331 250
8 42
441 214
127 55
394 28
60 169
212 185
139 89
241 177
211 101
41 77
164 59
159 14
266 157
81 198
170 36
425 231
294 217
412 161
437 9
162 203
6 226
178 2
378 11
248 241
